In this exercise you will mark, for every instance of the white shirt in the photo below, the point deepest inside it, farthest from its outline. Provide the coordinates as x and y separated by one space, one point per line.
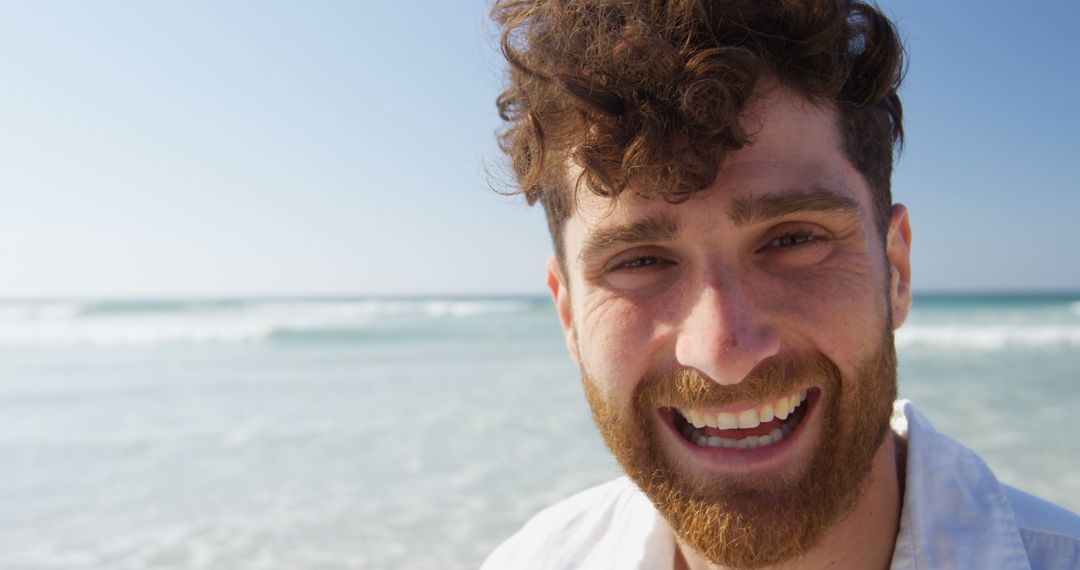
955 515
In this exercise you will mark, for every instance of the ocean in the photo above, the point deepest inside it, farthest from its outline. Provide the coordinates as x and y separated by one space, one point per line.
408 433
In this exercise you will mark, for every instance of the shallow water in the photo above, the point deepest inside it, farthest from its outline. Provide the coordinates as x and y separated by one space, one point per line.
407 433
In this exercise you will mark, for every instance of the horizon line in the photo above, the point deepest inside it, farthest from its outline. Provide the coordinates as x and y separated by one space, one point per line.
5 298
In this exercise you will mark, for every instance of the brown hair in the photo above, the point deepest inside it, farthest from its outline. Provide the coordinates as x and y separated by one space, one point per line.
647 94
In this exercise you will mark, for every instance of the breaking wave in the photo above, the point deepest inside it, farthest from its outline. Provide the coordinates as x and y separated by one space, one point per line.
235 321
988 338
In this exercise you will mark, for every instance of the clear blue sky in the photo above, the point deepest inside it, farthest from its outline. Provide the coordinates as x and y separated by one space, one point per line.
339 147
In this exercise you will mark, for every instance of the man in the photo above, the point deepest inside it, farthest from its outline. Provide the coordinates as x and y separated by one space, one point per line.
729 271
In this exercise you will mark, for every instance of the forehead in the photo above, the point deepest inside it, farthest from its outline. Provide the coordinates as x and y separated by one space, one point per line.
795 147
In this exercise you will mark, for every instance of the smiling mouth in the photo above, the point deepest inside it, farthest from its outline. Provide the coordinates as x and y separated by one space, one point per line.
761 426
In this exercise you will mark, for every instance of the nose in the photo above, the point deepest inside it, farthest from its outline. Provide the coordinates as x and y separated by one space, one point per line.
724 335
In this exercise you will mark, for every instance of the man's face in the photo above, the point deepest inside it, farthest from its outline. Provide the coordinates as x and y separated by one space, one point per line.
736 349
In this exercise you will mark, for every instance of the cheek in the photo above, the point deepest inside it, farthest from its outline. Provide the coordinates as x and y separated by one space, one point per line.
614 345
838 311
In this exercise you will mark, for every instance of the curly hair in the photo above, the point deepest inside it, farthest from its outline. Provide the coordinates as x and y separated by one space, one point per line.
647 94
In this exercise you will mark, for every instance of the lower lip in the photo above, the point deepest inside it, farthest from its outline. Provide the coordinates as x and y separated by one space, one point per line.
720 457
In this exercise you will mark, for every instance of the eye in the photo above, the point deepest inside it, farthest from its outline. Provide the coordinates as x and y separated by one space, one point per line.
793 239
639 263
638 271
797 244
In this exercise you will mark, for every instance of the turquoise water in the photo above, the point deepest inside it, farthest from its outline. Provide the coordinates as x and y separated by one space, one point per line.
398 433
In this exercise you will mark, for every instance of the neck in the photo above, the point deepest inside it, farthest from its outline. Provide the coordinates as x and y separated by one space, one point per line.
864 538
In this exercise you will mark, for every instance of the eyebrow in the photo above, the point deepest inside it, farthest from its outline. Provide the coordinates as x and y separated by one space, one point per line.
657 227
745 211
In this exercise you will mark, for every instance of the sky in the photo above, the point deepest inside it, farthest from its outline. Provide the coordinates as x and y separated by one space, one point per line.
267 148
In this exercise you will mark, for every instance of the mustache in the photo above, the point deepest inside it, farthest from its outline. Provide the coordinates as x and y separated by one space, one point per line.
774 377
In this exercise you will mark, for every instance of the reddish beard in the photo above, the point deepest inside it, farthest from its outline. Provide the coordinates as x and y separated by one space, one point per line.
752 523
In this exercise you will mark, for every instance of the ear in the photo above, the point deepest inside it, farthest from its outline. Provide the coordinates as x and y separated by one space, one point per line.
898 251
560 293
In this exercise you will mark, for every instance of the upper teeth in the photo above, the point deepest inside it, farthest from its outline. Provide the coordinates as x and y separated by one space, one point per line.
748 418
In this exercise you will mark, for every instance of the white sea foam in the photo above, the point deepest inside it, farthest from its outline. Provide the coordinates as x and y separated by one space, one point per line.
106 324
130 332
34 312
988 337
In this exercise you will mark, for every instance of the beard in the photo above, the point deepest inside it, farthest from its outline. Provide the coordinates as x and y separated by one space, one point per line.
768 519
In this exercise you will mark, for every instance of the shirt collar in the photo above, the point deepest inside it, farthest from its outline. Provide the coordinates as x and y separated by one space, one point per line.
955 512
